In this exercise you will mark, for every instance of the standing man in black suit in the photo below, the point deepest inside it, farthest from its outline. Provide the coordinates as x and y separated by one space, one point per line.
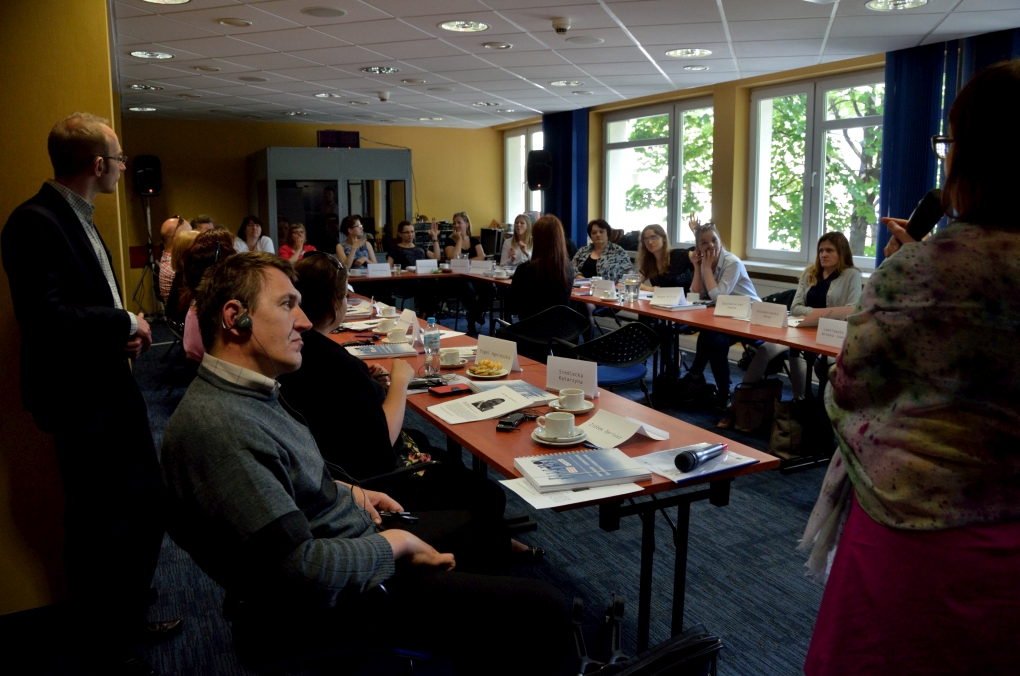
76 340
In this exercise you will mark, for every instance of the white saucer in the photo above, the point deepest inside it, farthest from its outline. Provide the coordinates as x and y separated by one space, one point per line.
382 333
493 376
585 407
572 441
456 365
406 341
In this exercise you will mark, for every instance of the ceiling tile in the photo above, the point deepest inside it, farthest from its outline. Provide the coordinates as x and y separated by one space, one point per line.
415 49
778 48
442 64
511 59
299 86
173 9
933 7
649 80
428 7
208 19
985 5
972 23
374 32
125 40
672 66
624 68
606 55
786 29
123 10
310 73
776 64
189 67
756 10
548 72
293 39
217 47
878 25
159 28
430 24
582 17
289 9
505 85
242 90
659 12
338 56
679 36
272 61
846 47
611 37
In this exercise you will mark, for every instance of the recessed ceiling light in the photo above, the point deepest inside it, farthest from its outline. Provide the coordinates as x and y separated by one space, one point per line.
582 93
145 87
498 45
235 23
688 53
695 67
430 119
152 55
324 12
359 103
889 5
167 2
585 40
207 69
329 95
484 104
189 96
505 110
295 113
464 26
252 78
412 80
380 70
142 109
440 89
566 83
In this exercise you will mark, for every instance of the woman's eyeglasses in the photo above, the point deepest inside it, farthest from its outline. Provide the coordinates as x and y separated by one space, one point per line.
940 145
651 238
332 257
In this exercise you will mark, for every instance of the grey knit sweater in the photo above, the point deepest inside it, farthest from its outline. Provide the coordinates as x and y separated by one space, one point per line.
253 504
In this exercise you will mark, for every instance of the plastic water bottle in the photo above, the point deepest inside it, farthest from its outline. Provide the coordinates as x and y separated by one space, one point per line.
431 340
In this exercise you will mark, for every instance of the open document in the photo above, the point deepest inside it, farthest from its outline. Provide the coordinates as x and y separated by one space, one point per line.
494 403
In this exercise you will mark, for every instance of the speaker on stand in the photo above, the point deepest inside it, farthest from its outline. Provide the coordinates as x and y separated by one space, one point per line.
540 170
148 179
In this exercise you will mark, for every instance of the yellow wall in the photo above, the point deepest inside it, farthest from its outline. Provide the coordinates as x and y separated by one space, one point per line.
204 168
732 102
56 60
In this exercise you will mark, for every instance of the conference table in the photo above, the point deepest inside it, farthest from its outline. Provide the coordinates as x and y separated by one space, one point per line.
498 450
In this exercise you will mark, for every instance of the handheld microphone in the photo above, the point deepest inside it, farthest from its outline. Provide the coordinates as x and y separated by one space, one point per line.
926 215
698 454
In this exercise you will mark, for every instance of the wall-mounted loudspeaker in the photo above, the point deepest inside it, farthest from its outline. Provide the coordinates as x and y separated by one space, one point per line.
539 170
334 138
148 175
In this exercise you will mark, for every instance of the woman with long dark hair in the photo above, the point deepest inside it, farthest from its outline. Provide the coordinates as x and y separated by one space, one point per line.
923 497
250 237
659 265
545 280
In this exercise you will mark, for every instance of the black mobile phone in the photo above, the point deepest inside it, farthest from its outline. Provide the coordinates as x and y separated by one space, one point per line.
510 422
449 390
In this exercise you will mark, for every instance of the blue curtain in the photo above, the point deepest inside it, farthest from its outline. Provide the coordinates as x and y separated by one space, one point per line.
916 110
566 138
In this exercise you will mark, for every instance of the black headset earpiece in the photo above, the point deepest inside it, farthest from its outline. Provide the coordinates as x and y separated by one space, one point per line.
243 323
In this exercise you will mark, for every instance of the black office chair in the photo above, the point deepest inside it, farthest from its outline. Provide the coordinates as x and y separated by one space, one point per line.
620 355
537 336
779 363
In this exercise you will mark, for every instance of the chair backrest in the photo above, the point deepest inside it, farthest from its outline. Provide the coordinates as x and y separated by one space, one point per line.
492 241
781 297
632 344
536 335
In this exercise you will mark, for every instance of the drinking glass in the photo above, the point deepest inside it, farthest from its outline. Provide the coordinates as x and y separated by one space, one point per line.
631 286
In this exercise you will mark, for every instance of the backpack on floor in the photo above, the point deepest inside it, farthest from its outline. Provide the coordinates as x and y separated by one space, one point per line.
801 428
754 404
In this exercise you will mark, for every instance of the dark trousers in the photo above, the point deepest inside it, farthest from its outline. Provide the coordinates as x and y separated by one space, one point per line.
114 512
713 348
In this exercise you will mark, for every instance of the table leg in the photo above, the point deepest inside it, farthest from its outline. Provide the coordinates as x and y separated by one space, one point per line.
683 520
479 467
809 359
645 584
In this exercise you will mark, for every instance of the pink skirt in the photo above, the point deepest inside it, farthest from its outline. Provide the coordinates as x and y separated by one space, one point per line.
920 602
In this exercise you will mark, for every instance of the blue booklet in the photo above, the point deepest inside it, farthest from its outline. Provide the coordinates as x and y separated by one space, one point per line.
383 351
580 469
534 394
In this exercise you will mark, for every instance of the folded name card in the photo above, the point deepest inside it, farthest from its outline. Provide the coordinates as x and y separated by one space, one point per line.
831 332
378 269
460 265
608 430
738 307
426 265
665 296
769 314
600 286
497 349
481 266
561 372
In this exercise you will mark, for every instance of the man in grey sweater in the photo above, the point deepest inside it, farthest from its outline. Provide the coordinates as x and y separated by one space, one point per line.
302 557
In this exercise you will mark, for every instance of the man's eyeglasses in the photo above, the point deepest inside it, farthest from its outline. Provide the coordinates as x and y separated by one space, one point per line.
332 257
940 145
123 159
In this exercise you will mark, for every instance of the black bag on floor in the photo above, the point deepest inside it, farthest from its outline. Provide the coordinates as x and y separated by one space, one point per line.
754 404
692 653
801 428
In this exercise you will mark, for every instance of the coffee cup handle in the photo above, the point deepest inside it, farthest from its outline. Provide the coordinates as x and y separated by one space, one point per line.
541 421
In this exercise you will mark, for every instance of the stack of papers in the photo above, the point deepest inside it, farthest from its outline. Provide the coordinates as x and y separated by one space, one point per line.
580 469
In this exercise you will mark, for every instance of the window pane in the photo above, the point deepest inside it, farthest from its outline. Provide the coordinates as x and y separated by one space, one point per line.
696 195
638 129
515 176
842 104
535 203
853 158
782 144
636 186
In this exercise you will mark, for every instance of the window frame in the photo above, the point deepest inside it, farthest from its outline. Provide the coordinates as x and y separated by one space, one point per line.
528 196
813 180
675 229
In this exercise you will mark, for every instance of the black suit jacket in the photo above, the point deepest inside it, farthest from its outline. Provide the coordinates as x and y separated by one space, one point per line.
72 336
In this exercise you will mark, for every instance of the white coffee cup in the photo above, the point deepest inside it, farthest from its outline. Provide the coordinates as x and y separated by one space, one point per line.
411 268
500 274
397 335
444 266
389 311
558 425
571 398
385 325
693 297
609 294
449 356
